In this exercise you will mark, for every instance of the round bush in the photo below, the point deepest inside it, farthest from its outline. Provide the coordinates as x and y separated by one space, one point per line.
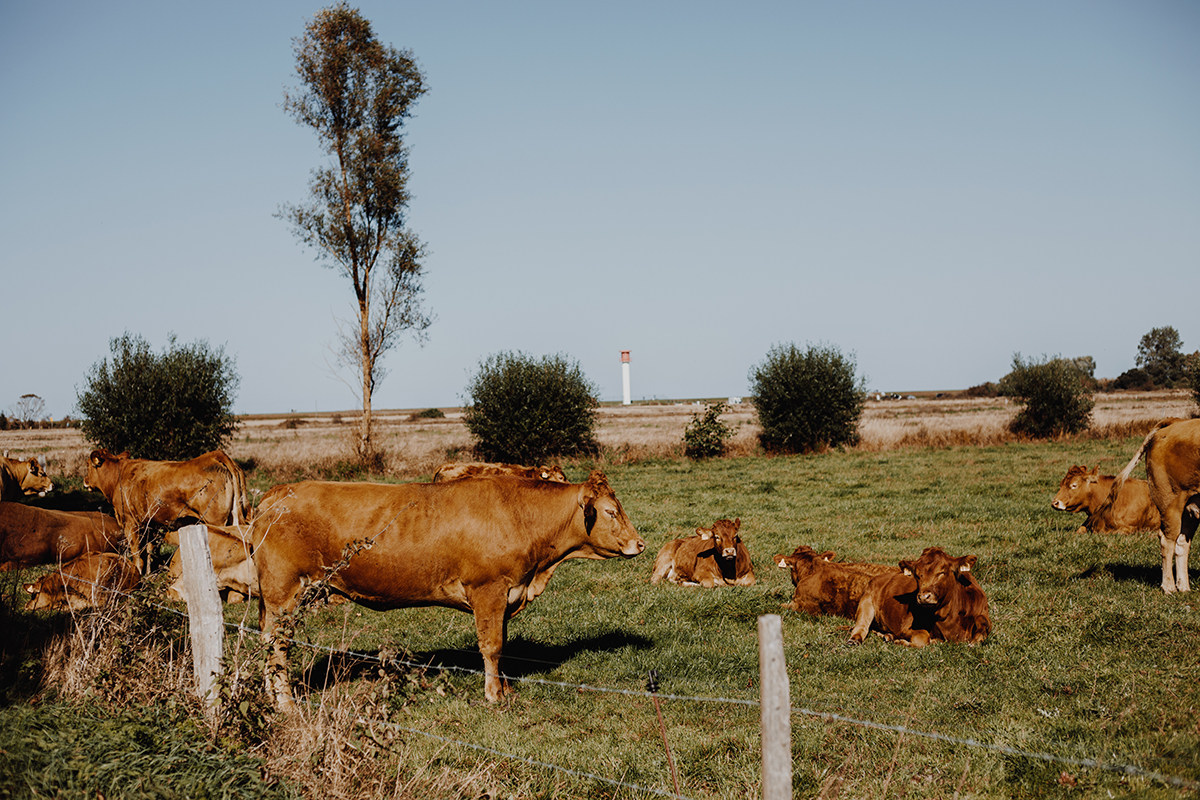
168 407
807 400
706 434
1055 397
524 410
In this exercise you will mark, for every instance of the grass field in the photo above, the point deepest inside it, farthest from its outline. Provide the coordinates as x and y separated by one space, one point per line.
1089 663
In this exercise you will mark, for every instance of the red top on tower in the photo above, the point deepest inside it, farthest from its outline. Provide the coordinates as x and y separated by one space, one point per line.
624 356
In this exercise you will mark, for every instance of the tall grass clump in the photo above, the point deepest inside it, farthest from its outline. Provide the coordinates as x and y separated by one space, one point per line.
807 400
524 410
1054 394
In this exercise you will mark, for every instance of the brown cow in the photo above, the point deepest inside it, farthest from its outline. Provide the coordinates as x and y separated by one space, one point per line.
210 488
714 556
31 535
20 478
825 586
229 548
454 470
934 597
1172 452
1088 491
90 581
487 545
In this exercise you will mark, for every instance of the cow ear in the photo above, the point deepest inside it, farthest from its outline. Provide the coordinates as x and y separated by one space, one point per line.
907 568
828 555
737 523
704 534
780 559
965 563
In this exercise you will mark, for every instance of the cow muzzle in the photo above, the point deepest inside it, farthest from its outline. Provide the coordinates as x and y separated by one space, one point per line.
633 547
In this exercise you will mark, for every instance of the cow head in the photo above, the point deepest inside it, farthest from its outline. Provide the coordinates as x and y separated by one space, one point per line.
803 562
1076 488
936 574
608 528
31 477
553 473
102 468
724 534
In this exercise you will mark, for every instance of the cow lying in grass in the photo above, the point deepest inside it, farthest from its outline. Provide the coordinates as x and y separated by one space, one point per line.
1131 511
824 586
21 478
714 556
30 536
933 598
455 470
91 581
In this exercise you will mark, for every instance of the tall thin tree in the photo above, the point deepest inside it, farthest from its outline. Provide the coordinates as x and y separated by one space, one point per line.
356 93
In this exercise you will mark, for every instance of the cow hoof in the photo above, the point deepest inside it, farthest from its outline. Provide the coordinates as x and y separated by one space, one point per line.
853 642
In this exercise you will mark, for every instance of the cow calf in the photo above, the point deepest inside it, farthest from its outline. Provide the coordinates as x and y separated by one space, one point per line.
91 581
714 556
827 587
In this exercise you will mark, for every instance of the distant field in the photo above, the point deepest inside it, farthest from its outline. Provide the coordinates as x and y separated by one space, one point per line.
286 443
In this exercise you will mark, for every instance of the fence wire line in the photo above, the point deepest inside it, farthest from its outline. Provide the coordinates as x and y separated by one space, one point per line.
1128 769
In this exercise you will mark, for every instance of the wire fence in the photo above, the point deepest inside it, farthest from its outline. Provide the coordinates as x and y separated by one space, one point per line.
1121 767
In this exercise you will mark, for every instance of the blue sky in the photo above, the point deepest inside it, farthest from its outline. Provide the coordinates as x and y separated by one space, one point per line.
930 186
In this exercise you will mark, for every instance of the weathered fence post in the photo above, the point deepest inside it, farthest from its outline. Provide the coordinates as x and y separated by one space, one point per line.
206 616
776 707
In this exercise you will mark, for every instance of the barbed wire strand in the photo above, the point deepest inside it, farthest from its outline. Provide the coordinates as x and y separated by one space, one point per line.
1127 769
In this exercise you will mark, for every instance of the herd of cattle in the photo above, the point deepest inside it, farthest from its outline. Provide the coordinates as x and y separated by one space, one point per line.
486 538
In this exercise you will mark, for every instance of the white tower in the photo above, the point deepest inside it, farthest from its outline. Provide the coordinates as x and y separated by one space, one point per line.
625 376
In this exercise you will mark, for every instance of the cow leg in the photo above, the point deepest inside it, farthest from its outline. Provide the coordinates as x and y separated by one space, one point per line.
491 626
1167 539
1183 546
862 623
134 542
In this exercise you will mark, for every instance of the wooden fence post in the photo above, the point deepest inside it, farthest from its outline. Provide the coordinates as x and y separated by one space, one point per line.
776 710
206 615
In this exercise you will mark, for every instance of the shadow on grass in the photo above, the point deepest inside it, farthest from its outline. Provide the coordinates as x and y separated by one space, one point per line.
1127 573
521 658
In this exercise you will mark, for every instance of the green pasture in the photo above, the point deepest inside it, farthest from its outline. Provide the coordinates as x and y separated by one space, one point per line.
1088 660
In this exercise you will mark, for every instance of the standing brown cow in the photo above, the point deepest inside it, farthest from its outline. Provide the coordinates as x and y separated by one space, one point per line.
714 556
934 597
1172 452
210 488
20 478
487 546
1088 491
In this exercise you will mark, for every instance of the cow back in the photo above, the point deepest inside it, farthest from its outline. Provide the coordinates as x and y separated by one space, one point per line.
30 536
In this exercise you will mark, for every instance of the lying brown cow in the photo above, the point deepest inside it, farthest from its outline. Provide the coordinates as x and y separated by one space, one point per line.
210 488
487 545
1172 452
20 478
31 535
714 556
230 552
454 470
1088 491
934 597
824 586
90 581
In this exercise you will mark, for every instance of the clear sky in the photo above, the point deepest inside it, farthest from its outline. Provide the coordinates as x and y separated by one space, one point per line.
929 186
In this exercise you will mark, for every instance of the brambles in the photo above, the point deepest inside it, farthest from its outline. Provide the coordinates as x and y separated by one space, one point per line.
807 400
523 410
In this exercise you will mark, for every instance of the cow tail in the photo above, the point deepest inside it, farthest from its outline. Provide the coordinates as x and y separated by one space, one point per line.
1125 473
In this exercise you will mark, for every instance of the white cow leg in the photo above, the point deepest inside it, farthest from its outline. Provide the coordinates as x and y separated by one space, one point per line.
1168 555
1183 546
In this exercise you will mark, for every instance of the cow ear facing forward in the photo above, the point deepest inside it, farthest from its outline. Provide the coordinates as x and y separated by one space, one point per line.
965 563
907 568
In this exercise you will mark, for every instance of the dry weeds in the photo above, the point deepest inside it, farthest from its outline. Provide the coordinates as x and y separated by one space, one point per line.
304 445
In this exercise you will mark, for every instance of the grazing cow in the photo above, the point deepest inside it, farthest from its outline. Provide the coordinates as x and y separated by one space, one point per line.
1172 452
230 551
934 597
487 546
824 586
714 556
210 488
1088 491
453 470
31 535
91 581
20 478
